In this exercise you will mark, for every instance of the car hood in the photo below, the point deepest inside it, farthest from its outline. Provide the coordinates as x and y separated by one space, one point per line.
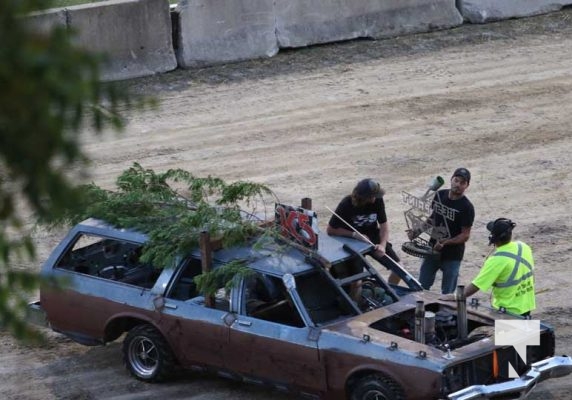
385 327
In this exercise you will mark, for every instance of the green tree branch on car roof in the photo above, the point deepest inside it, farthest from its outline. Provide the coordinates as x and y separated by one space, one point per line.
173 208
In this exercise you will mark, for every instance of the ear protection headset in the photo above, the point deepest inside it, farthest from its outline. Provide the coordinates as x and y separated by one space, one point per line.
500 230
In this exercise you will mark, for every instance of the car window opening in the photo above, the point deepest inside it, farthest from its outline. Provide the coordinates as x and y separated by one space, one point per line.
109 259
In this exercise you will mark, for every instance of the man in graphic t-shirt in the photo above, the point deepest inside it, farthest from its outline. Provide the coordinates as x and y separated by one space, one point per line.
453 213
364 210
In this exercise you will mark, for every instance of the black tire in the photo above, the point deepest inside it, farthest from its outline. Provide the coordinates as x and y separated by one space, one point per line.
376 387
418 250
147 355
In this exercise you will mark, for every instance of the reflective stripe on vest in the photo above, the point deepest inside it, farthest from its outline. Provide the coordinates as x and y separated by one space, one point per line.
517 261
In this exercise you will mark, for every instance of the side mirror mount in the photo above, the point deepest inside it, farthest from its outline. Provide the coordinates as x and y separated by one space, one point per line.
159 303
289 282
229 319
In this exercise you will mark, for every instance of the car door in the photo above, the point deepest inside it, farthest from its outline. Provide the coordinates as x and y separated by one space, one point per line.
197 334
269 341
92 289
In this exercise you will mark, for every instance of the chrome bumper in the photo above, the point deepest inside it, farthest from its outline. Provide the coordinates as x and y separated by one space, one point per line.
553 367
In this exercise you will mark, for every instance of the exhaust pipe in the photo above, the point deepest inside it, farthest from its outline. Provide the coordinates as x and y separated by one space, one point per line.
420 322
461 312
429 327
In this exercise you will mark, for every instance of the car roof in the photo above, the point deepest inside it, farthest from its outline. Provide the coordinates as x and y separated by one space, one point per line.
280 259
273 259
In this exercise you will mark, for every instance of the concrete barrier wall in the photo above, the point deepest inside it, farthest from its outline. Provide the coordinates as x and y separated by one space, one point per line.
43 22
134 35
137 35
482 11
306 22
218 31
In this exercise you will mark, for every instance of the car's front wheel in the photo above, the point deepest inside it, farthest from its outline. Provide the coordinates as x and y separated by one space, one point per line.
376 387
147 355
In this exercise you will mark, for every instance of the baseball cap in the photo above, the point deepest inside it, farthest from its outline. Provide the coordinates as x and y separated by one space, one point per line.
463 173
500 226
369 187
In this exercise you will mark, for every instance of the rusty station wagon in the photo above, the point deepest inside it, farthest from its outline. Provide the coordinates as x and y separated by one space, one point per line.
291 323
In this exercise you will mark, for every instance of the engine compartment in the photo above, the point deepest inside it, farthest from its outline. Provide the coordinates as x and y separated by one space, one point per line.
436 326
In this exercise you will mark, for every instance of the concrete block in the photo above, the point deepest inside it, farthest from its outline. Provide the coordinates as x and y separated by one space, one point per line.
135 36
306 22
44 21
219 31
482 11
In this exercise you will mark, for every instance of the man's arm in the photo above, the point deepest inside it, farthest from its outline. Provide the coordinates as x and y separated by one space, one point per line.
459 239
338 224
330 230
383 234
470 290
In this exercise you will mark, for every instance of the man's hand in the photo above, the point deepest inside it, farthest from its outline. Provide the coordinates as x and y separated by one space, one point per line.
439 246
470 290
360 236
379 250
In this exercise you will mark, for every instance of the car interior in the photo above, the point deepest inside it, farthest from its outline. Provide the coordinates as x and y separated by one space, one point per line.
108 259
266 298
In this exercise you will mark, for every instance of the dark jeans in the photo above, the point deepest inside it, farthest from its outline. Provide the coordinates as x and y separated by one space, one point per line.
450 268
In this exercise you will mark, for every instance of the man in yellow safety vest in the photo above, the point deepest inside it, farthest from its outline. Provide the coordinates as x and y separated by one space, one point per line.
509 271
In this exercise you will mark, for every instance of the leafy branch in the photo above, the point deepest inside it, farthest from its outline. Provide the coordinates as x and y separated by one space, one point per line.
173 208
225 276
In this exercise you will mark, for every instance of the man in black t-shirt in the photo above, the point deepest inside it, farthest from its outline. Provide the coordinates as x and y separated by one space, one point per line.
455 214
364 210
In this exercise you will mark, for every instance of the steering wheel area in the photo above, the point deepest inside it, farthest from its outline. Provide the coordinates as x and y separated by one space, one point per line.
113 272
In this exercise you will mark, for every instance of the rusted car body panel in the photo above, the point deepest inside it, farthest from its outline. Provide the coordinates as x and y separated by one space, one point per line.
310 338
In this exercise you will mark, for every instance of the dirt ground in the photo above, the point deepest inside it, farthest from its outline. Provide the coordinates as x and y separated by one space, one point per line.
494 98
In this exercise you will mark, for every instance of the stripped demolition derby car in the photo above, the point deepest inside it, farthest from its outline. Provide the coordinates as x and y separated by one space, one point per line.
290 323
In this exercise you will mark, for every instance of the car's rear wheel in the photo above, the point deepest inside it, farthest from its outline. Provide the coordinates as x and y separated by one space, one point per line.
147 355
376 387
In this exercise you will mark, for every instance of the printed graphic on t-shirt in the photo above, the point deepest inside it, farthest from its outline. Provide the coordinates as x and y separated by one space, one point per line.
447 212
360 221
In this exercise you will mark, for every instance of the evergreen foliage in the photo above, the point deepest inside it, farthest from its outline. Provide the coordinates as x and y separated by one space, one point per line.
173 208
50 92
225 276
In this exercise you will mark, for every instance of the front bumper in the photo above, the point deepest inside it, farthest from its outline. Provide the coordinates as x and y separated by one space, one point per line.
518 388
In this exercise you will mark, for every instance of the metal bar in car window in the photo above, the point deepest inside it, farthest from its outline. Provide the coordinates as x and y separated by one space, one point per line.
317 263
371 271
353 278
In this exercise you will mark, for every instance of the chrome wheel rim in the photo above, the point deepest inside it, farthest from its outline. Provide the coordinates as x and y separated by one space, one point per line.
143 356
374 394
